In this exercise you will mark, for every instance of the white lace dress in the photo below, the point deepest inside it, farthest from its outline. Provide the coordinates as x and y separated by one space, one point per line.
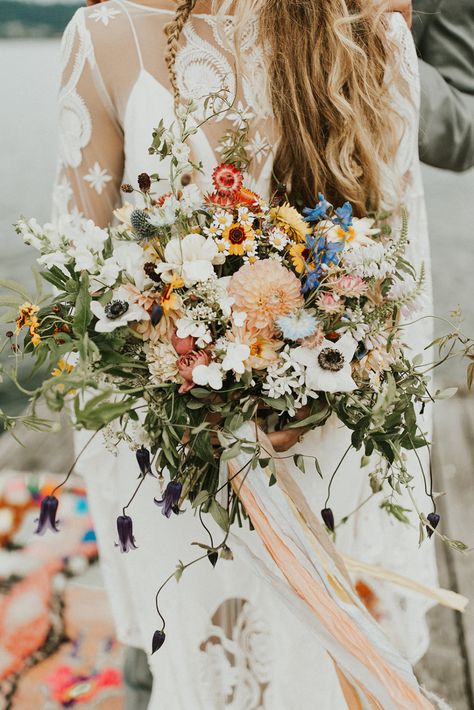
115 89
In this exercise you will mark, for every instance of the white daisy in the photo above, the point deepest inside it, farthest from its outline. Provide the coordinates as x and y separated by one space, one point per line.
98 178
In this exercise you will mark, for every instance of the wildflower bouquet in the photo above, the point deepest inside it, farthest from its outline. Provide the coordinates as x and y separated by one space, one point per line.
202 311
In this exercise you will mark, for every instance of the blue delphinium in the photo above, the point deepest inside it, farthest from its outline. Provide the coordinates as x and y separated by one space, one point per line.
297 326
344 216
318 212
326 254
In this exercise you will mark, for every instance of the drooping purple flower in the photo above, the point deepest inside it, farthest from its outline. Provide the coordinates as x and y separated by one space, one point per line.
47 518
159 637
328 517
433 519
125 533
170 501
144 460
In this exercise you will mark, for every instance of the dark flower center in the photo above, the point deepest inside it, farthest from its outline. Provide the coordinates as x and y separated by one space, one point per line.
331 359
237 235
116 309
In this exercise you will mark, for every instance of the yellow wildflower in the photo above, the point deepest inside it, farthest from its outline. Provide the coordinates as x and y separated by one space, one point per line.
289 220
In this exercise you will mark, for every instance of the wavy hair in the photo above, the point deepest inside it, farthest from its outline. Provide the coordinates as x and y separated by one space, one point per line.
327 67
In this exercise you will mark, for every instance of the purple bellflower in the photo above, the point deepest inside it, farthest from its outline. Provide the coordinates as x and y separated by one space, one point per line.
170 501
47 518
125 533
144 460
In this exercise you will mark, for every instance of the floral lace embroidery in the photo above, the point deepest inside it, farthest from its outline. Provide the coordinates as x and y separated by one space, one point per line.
104 14
75 125
237 661
97 178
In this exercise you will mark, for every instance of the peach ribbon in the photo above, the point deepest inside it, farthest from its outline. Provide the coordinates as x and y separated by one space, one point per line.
313 579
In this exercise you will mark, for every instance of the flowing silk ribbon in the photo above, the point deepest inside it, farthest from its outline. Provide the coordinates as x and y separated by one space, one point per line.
312 578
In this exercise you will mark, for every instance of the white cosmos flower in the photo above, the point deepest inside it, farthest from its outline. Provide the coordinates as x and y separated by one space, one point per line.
191 258
236 355
109 272
126 311
181 152
187 327
191 199
208 376
131 258
56 258
328 367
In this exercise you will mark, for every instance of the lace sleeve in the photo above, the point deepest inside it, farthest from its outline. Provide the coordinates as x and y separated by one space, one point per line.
90 138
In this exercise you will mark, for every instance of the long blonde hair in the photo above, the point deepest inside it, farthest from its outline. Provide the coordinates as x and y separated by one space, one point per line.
327 63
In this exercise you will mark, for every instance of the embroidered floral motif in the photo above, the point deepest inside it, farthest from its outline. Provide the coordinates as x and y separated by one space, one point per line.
104 13
97 178
237 658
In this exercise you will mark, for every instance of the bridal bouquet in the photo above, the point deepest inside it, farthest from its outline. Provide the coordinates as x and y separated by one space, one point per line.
202 311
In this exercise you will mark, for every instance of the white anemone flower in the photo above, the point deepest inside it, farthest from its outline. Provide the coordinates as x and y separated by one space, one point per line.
119 312
208 376
328 367
235 357
191 258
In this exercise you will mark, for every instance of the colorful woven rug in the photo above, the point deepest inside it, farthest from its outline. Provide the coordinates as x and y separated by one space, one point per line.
57 643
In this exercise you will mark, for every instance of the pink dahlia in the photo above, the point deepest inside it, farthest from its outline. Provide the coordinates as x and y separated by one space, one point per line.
265 290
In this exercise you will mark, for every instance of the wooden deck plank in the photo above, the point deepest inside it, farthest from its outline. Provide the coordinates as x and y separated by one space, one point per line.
449 662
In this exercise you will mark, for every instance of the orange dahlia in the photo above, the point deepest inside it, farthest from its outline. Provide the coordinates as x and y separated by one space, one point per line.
265 290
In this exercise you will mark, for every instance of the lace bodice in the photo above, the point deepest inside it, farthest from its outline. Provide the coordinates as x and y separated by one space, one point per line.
115 89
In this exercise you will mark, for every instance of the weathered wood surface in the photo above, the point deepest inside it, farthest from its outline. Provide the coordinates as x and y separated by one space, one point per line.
448 667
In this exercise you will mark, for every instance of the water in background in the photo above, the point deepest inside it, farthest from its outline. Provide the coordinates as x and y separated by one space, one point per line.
29 77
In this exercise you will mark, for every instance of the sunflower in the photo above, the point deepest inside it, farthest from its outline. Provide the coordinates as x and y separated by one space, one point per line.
289 220
301 256
237 236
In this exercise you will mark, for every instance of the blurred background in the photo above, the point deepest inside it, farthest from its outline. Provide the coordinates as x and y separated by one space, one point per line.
71 652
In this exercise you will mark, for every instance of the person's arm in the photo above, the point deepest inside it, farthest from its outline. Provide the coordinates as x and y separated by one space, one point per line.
90 138
445 38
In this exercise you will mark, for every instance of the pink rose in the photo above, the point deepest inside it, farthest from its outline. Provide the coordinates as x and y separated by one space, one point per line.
186 365
183 345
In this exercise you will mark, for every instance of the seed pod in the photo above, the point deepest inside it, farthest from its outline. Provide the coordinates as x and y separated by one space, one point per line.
328 517
433 519
150 271
159 637
127 188
212 556
144 182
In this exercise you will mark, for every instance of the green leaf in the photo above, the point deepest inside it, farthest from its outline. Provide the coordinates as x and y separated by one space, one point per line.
470 376
16 288
232 453
83 313
201 498
447 393
220 514
299 462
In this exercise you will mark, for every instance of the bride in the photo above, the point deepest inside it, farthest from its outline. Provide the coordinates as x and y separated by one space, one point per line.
332 98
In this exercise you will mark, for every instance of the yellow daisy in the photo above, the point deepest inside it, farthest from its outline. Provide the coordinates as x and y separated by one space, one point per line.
289 220
300 253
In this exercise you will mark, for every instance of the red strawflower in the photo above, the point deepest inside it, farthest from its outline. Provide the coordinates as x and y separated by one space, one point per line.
220 200
227 179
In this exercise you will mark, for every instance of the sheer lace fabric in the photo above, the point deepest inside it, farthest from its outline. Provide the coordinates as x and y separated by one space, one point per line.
115 89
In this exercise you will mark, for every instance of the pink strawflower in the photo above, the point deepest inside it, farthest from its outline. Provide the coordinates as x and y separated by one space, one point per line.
330 303
265 290
315 340
348 285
